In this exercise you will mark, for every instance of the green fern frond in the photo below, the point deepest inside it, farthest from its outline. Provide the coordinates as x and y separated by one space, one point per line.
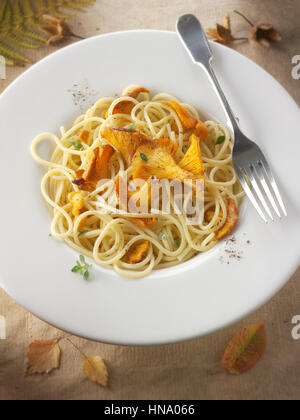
73 5
40 6
17 15
2 9
6 21
34 36
68 4
13 18
28 11
10 53
19 42
10 63
21 21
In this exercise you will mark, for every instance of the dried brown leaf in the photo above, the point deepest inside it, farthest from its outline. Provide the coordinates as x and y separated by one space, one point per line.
95 369
43 357
226 22
223 33
264 33
56 28
212 33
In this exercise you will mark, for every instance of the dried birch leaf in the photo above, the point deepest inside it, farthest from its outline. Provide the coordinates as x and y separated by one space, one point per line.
43 357
95 369
245 349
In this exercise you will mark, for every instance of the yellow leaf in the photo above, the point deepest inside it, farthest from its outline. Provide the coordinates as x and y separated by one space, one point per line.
43 357
95 369
222 33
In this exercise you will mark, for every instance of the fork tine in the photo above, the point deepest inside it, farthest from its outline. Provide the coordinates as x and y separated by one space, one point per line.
272 181
250 194
259 194
265 186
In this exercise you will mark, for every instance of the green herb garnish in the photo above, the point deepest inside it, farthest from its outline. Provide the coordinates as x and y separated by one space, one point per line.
131 126
177 243
144 157
220 140
163 236
83 233
82 268
77 144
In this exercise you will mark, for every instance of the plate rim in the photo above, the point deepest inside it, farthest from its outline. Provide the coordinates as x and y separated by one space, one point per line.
116 33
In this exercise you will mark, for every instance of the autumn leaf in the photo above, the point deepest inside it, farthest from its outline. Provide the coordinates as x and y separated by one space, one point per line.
95 369
264 33
57 29
21 24
43 357
245 349
223 33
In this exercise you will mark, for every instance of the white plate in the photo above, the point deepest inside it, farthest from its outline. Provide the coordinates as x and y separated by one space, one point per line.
194 299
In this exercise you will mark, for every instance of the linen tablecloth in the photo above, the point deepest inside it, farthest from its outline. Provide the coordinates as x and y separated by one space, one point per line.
188 370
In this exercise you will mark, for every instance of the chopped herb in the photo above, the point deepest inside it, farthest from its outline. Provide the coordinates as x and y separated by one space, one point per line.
220 140
144 157
131 126
77 144
163 236
82 268
86 275
177 243
83 233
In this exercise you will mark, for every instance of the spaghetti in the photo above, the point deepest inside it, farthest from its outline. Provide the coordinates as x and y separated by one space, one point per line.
83 172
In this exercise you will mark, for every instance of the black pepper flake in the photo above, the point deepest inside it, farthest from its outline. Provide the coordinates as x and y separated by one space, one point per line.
83 95
231 250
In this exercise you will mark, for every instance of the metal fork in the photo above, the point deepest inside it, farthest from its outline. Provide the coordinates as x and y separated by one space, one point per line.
250 165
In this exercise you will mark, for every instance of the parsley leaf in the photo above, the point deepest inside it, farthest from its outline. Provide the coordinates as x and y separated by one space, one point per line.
77 144
163 236
144 157
86 275
131 126
82 268
82 233
220 140
177 243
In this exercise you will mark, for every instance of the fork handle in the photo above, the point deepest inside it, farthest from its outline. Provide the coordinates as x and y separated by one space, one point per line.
232 121
195 41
